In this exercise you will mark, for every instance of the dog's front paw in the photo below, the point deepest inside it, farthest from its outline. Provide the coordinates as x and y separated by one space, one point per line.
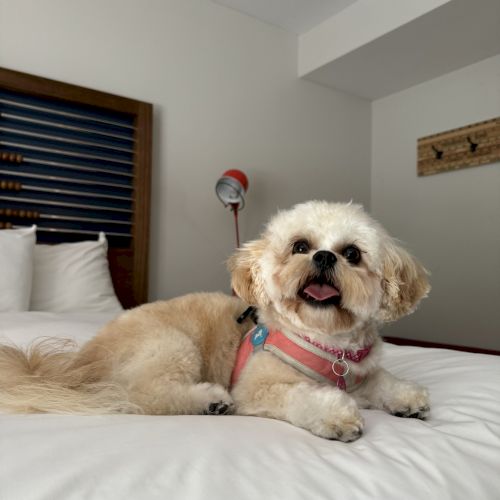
343 429
340 420
328 413
410 401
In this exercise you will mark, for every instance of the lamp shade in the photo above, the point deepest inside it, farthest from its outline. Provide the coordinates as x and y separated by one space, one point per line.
231 188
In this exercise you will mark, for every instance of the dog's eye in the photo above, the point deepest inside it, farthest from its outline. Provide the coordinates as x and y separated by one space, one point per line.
301 246
352 254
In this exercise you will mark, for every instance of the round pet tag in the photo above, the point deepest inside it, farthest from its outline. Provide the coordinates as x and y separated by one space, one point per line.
259 335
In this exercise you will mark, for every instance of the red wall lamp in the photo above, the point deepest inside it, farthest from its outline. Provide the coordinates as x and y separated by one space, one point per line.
231 189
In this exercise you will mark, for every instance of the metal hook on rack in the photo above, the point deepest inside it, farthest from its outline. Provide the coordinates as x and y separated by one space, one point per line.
473 145
439 154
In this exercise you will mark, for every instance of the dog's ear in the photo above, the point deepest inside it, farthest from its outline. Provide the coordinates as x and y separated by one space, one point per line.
246 275
404 283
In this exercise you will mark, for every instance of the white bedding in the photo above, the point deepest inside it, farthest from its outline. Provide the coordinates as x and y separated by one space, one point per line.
454 455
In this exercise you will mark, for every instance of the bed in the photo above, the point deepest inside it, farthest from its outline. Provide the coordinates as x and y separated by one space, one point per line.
455 454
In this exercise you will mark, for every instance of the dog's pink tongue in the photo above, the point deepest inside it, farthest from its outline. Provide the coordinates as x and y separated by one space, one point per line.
321 292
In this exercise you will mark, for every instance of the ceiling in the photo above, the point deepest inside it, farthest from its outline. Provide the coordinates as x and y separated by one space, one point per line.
297 16
445 39
419 40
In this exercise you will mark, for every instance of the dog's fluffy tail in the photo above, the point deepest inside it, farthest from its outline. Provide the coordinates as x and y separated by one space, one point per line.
50 376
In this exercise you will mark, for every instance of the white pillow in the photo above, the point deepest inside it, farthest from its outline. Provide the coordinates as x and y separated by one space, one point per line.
71 277
16 268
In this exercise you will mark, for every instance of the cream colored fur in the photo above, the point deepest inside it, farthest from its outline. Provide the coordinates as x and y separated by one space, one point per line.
168 357
176 357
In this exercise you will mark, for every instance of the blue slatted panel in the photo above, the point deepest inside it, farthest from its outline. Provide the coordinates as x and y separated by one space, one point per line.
76 169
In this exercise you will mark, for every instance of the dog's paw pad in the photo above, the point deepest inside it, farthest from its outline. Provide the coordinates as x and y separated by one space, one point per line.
401 414
347 435
219 408
353 435
421 413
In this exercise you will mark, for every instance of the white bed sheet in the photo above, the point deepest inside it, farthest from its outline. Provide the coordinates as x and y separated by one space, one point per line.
454 455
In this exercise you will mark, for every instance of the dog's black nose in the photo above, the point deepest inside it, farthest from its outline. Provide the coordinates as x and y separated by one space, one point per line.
324 259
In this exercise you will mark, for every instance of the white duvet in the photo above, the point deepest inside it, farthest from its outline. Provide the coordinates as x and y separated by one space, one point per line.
454 455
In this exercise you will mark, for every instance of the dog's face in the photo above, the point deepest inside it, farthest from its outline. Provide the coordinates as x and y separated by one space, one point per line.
326 268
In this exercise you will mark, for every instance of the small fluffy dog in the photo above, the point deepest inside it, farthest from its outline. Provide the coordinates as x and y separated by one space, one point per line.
323 276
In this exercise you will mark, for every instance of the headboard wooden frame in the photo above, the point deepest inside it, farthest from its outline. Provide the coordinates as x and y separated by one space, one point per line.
128 261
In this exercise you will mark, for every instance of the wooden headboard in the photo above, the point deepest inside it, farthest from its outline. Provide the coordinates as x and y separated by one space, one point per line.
77 161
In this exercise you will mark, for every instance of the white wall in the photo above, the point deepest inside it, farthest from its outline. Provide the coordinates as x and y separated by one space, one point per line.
450 220
226 95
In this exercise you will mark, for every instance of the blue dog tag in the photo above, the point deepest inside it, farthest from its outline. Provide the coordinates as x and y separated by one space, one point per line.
259 335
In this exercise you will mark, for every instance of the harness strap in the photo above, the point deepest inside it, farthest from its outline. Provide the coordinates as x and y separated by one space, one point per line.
307 358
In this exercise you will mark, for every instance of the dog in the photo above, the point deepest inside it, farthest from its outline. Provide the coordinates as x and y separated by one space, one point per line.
322 277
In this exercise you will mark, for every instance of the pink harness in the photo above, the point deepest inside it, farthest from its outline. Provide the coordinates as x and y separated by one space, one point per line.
326 365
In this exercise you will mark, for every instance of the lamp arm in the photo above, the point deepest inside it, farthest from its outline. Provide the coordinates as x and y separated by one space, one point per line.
234 208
